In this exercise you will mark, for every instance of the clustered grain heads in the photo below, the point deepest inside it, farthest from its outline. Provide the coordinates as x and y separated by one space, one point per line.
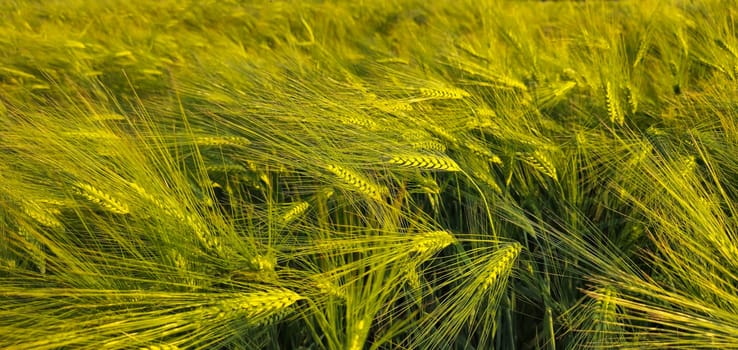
304 177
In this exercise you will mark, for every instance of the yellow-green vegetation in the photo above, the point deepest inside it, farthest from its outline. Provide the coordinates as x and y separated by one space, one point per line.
407 174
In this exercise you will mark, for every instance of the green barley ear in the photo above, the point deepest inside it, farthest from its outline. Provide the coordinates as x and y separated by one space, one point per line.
294 211
428 162
359 182
102 198
431 242
473 300
540 161
613 105
443 93
161 347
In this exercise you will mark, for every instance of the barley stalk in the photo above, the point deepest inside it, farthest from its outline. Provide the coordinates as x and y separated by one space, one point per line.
41 214
35 248
225 168
221 141
391 106
358 334
542 163
257 308
431 242
499 267
488 180
613 105
357 181
483 152
429 145
161 347
444 93
606 307
295 211
430 162
102 199
442 133
359 121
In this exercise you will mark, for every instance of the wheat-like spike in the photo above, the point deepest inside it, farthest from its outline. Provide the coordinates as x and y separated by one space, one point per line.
262 263
469 49
488 180
442 133
391 106
357 181
509 82
102 199
51 201
18 73
541 162
106 116
416 135
74 44
36 248
221 141
43 215
632 99
428 185
8 263
483 152
161 347
294 211
358 334
483 125
687 165
431 242
485 112
613 105
501 266
225 168
412 276
326 287
431 162
564 88
359 121
444 93
606 307
257 308
393 60
429 145
92 135
201 231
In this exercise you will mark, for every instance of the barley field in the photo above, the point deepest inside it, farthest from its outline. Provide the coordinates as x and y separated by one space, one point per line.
376 174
